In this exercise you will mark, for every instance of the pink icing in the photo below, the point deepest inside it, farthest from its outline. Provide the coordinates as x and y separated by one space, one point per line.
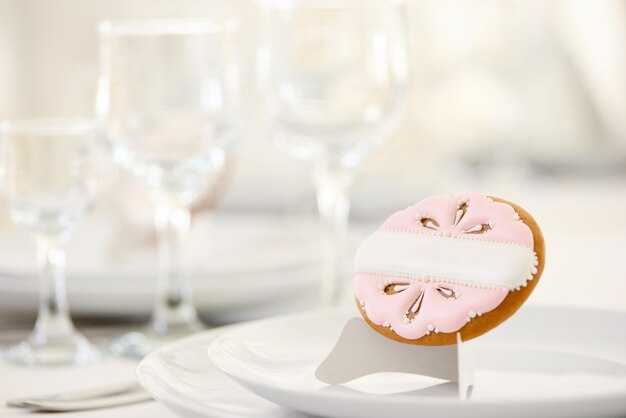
437 312
444 314
481 210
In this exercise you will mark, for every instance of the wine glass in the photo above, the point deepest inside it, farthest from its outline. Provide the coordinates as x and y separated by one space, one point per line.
333 75
169 104
48 178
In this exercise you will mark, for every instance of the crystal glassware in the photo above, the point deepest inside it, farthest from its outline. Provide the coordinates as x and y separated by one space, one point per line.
48 178
333 77
169 105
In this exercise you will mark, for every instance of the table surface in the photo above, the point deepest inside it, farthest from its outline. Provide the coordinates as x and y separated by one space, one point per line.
20 381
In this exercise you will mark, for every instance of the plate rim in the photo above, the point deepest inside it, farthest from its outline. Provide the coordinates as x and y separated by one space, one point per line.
144 371
166 397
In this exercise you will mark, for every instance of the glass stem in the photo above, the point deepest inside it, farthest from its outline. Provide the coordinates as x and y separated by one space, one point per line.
334 205
53 320
174 309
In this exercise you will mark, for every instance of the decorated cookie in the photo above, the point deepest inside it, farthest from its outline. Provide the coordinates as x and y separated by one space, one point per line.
447 265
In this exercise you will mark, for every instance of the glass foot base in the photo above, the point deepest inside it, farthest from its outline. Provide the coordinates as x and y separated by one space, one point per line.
72 350
138 344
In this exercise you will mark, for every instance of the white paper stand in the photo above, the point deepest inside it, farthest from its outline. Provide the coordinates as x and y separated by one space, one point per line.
361 351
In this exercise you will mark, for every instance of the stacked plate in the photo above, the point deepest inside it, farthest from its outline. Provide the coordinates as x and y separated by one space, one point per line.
545 362
243 266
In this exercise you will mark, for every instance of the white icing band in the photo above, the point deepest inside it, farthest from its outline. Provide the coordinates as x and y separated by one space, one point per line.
454 259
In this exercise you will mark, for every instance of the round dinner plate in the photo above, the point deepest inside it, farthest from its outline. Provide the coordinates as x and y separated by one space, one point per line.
544 362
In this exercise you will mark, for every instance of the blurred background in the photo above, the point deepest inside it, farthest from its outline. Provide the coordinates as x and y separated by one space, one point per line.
521 99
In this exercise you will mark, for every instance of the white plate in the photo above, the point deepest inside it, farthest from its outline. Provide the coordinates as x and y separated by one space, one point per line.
242 266
182 378
542 362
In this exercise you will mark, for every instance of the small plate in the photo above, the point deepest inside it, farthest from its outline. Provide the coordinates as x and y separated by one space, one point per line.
542 362
182 378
